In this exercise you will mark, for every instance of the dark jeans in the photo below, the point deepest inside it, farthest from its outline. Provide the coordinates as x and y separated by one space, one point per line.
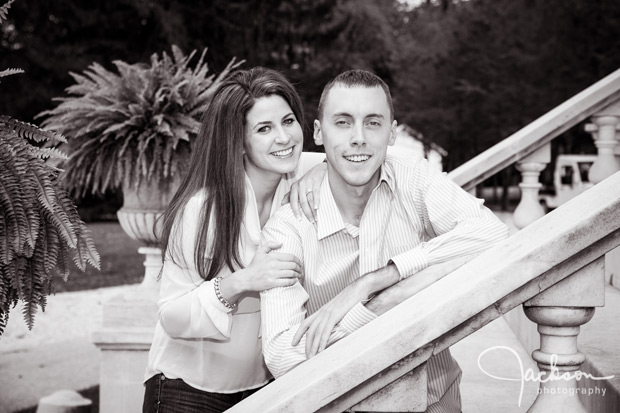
164 395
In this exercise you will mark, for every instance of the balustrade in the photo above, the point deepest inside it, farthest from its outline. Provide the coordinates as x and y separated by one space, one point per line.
529 208
604 130
559 312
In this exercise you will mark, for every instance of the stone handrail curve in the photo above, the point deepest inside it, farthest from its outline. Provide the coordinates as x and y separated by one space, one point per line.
510 273
538 133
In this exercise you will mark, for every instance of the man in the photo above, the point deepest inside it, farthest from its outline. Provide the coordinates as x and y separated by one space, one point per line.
380 221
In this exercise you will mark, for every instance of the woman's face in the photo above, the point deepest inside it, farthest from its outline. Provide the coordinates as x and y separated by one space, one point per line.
274 139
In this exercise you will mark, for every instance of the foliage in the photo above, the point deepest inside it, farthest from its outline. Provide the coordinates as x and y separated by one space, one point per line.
448 62
4 10
134 124
474 72
40 230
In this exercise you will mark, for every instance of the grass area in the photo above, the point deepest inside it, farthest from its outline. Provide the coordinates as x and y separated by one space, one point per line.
120 262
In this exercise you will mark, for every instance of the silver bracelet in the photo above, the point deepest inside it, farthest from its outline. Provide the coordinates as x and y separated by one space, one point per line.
218 294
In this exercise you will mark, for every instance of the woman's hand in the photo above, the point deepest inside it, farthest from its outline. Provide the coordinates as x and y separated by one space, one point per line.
319 326
304 194
269 269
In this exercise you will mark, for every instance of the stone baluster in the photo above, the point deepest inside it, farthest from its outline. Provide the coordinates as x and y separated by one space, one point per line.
559 312
604 130
529 208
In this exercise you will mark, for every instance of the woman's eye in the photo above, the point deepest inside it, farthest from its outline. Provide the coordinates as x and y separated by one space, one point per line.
289 121
264 129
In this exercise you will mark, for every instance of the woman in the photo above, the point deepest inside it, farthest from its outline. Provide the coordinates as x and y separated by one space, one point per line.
206 353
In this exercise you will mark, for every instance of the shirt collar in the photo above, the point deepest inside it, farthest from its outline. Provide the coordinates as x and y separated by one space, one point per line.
329 219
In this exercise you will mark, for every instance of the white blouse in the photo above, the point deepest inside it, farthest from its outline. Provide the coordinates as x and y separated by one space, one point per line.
198 339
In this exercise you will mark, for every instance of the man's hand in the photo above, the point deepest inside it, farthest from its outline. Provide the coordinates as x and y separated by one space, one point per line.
319 326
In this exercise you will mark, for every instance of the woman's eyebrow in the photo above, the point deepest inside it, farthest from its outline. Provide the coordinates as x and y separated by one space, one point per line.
261 123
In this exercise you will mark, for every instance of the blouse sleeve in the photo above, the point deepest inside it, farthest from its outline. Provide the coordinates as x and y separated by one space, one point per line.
188 306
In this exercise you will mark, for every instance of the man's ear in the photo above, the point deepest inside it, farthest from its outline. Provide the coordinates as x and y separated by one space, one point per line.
318 135
392 133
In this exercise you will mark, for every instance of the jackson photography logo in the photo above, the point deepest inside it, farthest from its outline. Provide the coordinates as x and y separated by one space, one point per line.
529 375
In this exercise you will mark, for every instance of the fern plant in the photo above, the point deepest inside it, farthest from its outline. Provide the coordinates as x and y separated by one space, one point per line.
40 230
135 124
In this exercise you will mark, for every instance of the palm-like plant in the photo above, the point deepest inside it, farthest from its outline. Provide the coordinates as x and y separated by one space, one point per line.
135 124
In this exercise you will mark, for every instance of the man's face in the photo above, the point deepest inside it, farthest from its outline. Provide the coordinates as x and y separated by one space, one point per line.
356 129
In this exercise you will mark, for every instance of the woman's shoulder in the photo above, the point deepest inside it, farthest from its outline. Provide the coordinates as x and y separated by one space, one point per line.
196 201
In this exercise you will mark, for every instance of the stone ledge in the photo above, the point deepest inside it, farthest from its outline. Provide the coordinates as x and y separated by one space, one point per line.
123 339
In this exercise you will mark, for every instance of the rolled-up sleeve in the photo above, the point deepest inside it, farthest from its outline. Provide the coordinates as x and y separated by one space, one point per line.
456 224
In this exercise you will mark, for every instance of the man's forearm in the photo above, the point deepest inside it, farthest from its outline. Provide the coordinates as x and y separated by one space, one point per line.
397 293
380 279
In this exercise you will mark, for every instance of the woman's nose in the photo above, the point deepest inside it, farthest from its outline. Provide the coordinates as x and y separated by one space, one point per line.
283 136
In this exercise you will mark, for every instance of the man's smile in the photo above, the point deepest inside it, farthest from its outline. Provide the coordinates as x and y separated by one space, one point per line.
357 158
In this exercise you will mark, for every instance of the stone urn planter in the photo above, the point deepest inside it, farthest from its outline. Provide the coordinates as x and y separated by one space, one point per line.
142 206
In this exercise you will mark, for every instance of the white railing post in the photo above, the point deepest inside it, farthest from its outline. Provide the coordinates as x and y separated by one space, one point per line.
559 312
604 130
529 208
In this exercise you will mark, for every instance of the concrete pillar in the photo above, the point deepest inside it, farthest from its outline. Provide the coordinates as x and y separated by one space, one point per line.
559 312
529 208
125 339
603 130
558 357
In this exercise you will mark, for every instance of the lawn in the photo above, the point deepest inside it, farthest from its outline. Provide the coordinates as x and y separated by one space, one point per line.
120 262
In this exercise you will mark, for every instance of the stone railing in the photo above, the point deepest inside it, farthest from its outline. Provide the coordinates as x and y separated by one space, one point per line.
553 267
599 101
530 150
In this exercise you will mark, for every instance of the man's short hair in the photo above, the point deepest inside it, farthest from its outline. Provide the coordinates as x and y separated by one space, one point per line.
356 78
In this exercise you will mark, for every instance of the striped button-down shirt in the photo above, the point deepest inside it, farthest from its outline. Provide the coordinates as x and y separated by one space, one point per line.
415 217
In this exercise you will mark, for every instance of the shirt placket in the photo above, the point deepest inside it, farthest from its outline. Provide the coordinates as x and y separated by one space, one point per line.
373 225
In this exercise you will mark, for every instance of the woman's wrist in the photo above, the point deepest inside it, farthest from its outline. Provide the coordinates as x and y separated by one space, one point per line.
232 287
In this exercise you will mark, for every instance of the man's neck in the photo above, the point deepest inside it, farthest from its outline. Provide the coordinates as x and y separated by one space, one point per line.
351 200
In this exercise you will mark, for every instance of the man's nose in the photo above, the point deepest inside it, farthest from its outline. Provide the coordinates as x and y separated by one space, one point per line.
357 135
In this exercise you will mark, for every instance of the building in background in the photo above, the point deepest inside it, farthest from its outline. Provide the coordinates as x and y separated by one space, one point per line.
413 143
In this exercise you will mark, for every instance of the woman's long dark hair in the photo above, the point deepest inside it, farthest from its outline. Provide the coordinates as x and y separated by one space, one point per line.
217 167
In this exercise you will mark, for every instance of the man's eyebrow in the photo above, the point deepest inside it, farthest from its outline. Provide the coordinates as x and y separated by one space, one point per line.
342 114
375 115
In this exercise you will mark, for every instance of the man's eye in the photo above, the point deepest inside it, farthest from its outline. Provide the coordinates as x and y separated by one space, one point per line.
374 123
342 122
